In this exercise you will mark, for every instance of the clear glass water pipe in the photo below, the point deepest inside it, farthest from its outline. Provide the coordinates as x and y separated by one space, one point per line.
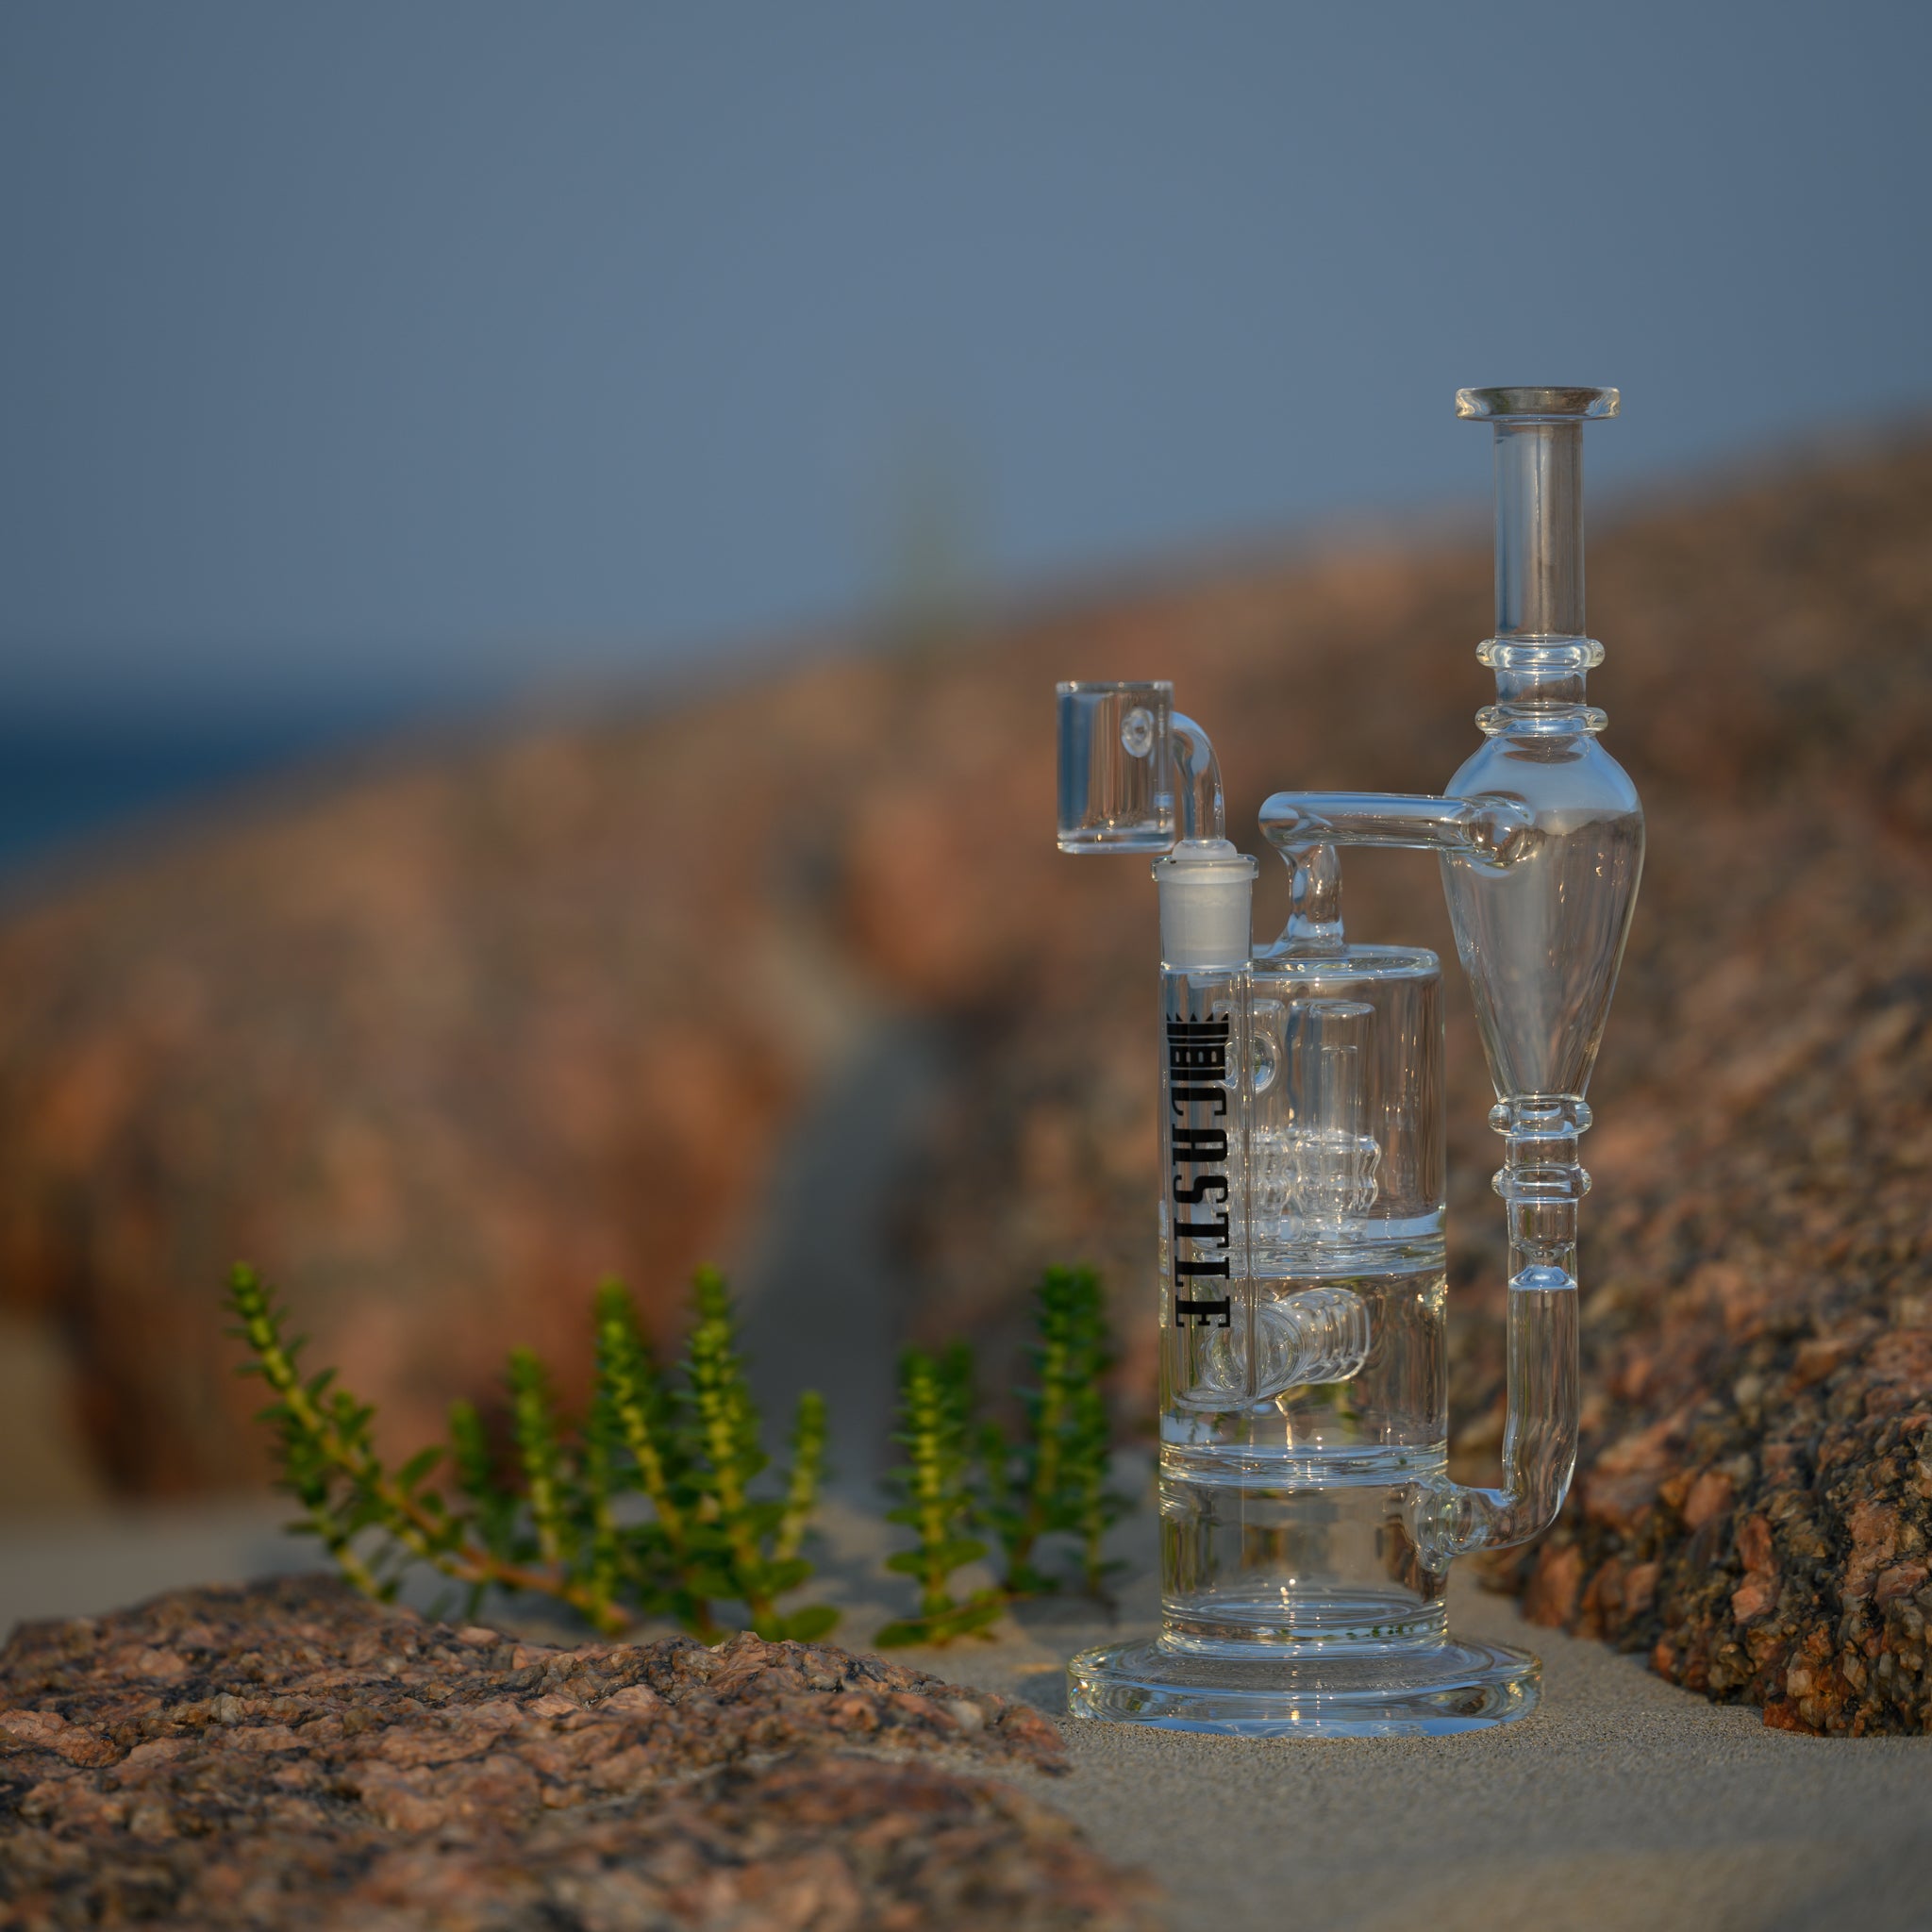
1308 1517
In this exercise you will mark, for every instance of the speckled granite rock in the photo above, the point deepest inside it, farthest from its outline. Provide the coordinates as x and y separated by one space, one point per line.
422 1047
1755 1507
290 1755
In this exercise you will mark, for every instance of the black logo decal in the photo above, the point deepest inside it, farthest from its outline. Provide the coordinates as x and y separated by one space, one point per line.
1197 1077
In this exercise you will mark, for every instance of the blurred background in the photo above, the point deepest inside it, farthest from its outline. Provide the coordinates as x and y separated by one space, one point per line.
534 542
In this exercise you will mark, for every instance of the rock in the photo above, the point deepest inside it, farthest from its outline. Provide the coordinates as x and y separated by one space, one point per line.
438 1045
327 1763
1767 1338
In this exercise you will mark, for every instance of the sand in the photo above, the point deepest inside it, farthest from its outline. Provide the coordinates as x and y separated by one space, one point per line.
1622 1803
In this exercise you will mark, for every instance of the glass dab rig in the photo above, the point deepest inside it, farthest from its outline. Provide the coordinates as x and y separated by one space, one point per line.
1307 1520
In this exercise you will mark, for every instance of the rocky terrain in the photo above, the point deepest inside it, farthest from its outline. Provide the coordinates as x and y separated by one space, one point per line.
437 1046
1755 1508
292 1756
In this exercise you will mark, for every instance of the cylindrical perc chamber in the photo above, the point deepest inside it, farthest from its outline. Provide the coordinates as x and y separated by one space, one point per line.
1298 1436
1293 1438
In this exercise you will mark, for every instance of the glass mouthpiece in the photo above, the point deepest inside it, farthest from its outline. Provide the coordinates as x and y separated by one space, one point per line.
1538 502
1546 404
1116 767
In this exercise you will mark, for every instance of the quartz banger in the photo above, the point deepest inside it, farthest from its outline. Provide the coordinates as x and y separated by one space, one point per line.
1307 1516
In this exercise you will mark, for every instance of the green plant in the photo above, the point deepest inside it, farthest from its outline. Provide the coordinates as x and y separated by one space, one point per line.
961 1476
690 1450
1052 1479
935 1413
737 1545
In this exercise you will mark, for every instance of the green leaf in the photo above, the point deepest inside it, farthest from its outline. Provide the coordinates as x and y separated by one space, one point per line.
978 1614
789 1576
959 1551
808 1625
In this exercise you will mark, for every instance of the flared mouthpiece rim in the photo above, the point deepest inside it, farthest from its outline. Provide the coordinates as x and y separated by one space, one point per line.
1536 404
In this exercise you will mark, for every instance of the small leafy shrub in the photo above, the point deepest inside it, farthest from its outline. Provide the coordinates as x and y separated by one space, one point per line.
645 1508
1052 1479
936 1431
1049 1481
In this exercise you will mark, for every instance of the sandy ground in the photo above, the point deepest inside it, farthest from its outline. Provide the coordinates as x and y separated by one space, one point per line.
1623 1803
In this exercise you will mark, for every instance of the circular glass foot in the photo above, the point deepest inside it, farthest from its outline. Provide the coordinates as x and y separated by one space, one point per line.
1453 1686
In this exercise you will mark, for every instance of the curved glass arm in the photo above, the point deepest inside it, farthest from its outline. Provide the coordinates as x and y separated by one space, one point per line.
1494 829
1451 1518
1202 812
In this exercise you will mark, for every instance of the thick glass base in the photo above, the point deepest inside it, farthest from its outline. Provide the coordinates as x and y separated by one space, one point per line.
1430 1691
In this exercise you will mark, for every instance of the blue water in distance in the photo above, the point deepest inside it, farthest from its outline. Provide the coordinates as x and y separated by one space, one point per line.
75 790
471 342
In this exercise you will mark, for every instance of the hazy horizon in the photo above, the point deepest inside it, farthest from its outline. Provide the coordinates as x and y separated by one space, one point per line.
366 363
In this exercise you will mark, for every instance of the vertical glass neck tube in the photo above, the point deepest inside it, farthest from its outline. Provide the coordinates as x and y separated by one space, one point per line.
1540 652
1538 504
1540 528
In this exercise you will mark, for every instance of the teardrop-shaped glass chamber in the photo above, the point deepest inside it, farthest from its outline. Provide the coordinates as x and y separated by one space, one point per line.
1542 937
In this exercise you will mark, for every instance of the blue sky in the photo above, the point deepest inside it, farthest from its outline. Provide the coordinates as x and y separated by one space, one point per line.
361 357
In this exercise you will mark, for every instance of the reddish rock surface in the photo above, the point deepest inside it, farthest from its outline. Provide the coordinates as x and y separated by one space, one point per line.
1755 1507
294 1757
437 1047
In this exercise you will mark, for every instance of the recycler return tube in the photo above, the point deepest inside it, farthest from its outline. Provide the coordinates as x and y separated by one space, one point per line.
1541 840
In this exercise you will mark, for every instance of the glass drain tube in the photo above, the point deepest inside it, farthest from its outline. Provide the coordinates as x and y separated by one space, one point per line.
1308 1519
